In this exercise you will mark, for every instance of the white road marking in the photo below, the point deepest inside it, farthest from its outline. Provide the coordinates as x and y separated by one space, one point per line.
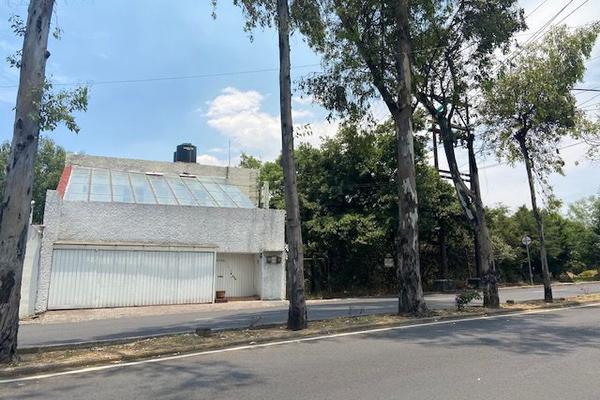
290 341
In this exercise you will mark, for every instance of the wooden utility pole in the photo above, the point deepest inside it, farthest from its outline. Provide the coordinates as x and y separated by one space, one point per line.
16 199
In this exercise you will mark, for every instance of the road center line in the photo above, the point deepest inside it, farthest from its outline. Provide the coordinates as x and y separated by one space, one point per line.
290 341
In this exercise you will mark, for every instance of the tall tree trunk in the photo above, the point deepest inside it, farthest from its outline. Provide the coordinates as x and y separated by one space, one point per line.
16 200
538 220
484 252
489 277
295 267
410 298
472 205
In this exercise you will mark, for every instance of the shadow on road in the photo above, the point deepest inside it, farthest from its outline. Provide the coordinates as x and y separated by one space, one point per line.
545 334
188 378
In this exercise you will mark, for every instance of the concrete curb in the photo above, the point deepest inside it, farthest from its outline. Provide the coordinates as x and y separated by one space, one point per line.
28 371
555 284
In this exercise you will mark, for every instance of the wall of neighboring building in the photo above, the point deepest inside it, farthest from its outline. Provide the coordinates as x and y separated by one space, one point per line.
29 278
245 179
228 230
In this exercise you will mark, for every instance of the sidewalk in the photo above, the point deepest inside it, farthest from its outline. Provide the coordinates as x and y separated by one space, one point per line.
93 314
81 315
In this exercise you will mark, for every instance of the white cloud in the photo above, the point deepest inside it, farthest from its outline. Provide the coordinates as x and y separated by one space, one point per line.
207 159
238 115
305 100
299 114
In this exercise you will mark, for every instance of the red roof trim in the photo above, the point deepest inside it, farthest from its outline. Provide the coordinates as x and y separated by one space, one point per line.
64 180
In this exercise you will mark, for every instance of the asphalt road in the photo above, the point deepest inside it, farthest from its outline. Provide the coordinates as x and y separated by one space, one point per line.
98 330
550 355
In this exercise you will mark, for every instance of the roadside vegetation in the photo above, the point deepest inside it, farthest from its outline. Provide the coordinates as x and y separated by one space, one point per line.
348 209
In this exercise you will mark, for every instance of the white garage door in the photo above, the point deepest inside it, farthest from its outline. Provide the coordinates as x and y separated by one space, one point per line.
236 274
91 278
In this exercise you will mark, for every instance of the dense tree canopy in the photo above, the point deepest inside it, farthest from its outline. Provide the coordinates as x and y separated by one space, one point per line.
348 204
532 103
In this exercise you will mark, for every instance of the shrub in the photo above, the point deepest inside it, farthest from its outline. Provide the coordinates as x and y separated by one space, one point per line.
588 275
465 297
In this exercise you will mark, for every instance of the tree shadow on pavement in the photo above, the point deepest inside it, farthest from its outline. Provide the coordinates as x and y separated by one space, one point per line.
541 334
176 379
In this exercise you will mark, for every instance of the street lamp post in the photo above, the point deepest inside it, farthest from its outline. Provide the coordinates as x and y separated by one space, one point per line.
527 241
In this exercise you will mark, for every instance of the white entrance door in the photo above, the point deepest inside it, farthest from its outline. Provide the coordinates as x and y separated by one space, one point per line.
236 274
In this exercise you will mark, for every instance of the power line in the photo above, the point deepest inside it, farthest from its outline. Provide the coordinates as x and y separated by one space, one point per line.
171 78
196 76
571 13
588 100
586 90
536 8
560 148
534 37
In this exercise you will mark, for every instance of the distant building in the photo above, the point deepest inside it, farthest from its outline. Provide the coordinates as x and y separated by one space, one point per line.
121 232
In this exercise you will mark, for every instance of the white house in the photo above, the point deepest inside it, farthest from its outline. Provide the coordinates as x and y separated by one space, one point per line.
121 232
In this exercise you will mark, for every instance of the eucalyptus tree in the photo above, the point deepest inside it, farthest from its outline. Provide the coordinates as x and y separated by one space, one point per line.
530 108
268 13
38 108
455 42
365 47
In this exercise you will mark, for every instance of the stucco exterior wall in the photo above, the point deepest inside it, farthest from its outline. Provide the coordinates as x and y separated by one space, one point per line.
272 277
228 230
245 179
30 271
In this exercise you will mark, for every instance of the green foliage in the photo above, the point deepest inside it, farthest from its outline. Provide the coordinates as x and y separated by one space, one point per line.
588 275
572 245
465 297
49 164
59 107
455 42
348 200
531 104
248 161
56 106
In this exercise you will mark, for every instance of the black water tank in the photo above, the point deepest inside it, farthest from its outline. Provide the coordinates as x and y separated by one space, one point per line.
186 152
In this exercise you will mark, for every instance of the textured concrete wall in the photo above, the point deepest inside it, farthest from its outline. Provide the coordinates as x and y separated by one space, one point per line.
245 179
229 230
272 278
30 271
52 212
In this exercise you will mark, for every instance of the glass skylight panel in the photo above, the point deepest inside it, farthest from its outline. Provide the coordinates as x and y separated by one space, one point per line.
121 188
183 194
78 187
100 187
161 190
237 196
218 194
200 193
99 184
141 189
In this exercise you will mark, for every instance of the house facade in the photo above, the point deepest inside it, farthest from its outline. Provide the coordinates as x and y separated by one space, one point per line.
122 232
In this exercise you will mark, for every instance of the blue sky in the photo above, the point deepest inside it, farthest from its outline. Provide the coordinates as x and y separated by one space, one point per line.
121 40
108 40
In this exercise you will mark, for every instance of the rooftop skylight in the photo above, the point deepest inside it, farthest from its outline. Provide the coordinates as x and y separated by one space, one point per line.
99 184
